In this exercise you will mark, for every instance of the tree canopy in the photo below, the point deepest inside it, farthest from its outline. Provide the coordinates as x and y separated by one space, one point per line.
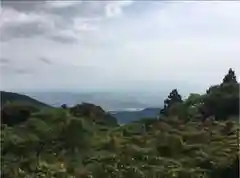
230 77
173 98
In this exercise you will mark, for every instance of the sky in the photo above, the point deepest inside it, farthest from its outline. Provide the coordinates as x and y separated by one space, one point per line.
117 45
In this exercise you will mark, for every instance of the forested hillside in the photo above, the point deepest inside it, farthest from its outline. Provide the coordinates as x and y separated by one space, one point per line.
17 108
193 138
10 97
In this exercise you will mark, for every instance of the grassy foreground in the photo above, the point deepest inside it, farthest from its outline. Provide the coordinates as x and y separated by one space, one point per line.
66 146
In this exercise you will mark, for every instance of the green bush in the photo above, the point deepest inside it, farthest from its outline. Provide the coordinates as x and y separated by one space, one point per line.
228 128
201 137
169 145
16 113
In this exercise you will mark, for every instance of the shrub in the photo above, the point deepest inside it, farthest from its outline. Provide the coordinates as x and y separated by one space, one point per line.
138 140
76 135
201 137
228 128
163 126
113 144
169 145
15 113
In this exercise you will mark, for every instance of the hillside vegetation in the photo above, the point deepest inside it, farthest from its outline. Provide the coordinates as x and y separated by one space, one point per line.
17 108
9 97
194 138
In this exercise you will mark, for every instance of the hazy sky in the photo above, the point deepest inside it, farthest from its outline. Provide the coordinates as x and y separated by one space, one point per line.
67 45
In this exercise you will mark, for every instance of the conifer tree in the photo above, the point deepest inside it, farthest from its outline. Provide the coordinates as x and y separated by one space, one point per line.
173 98
230 77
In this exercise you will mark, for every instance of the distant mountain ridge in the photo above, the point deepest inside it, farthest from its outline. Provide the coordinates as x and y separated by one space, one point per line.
108 101
15 97
124 117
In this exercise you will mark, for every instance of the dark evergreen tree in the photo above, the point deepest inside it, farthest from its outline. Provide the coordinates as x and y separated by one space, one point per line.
222 101
64 106
230 77
172 99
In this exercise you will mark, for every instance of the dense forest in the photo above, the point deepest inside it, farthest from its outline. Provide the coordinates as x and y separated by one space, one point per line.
193 138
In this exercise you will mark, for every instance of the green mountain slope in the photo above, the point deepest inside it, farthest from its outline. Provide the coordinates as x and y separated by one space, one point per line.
19 98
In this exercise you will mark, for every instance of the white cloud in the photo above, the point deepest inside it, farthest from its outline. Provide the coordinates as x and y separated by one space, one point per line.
85 25
61 4
114 8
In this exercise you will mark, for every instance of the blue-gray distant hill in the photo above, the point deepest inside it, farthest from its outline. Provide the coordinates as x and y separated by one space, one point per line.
117 101
124 117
